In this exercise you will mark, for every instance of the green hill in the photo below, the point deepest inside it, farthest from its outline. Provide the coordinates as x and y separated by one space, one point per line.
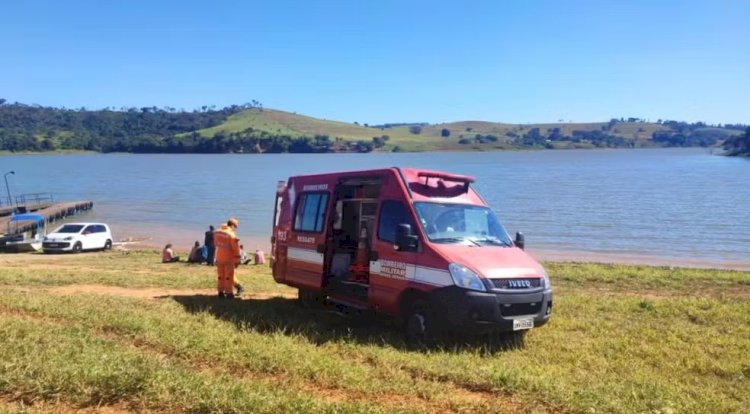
277 122
254 119
251 128
431 136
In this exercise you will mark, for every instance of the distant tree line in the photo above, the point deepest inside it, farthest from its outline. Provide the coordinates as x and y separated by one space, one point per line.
152 130
247 141
697 138
534 137
37 128
478 139
739 127
400 124
696 134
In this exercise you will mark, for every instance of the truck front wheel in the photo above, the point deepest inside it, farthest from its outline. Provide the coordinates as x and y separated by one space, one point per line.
420 324
508 340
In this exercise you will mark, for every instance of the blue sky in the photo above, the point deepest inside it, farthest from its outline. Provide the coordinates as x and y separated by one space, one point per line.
387 61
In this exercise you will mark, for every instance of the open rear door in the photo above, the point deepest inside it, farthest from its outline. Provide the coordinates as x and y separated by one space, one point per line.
280 235
306 238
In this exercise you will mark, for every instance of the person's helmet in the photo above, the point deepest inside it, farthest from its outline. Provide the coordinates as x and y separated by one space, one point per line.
233 221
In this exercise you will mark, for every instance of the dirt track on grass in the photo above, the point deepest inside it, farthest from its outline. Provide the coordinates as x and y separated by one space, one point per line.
151 293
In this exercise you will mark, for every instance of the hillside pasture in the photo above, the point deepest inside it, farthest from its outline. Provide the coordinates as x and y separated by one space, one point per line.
430 138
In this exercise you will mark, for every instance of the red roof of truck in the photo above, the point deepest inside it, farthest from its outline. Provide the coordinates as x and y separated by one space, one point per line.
421 184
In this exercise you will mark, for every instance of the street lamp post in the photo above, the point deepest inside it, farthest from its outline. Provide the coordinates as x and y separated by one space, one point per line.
10 203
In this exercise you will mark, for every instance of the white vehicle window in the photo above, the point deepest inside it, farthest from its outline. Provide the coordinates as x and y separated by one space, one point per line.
311 210
70 228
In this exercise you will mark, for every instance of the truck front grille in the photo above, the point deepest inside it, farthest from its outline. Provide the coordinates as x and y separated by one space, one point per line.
516 309
522 283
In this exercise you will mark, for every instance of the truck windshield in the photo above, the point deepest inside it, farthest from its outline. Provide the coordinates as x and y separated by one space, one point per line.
456 223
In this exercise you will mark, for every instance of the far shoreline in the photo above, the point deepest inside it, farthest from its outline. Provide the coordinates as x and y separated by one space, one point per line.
714 150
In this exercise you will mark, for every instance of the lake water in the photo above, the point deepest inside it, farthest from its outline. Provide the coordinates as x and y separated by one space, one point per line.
663 206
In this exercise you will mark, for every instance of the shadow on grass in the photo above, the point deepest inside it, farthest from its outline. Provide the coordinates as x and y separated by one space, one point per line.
331 324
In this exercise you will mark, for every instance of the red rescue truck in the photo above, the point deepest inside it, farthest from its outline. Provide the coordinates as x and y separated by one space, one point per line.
417 244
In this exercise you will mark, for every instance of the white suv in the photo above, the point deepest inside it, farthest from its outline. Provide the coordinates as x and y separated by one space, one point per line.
76 237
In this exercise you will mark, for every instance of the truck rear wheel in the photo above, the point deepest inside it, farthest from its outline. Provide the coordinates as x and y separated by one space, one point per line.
310 299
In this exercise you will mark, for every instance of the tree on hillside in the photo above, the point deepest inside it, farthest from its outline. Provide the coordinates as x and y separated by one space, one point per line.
738 145
378 142
555 134
533 137
445 132
415 129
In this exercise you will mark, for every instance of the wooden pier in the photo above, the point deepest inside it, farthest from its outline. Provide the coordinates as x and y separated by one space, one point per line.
51 213
7 211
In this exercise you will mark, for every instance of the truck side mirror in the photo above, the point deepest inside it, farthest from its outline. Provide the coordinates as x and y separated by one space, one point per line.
406 241
520 240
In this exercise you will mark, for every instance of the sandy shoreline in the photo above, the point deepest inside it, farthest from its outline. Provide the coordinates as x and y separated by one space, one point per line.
251 244
597 257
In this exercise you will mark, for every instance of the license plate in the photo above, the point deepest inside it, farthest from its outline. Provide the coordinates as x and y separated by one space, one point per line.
51 244
521 324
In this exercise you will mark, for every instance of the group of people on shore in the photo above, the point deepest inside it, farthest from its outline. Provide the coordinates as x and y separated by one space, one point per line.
220 249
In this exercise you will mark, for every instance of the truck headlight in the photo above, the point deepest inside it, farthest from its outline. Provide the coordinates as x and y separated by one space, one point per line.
465 278
545 280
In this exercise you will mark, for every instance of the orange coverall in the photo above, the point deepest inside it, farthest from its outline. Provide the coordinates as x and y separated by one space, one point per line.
227 258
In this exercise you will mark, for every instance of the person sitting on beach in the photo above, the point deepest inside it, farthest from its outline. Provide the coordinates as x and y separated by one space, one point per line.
195 255
260 257
167 255
243 256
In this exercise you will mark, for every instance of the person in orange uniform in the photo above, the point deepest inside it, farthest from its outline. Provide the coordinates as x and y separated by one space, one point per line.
232 229
227 257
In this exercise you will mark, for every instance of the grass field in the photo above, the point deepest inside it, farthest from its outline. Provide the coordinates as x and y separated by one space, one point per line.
115 332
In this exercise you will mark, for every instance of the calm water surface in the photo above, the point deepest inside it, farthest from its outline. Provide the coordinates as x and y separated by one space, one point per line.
670 205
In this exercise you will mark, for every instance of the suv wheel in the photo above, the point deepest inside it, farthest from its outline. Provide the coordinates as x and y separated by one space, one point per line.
108 244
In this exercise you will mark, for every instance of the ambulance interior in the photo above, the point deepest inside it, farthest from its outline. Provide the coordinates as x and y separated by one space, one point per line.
350 241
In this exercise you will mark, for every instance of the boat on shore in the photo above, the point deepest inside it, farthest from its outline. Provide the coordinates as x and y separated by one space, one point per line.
25 233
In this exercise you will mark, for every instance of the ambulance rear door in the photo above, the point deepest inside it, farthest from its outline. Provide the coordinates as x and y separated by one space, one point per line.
306 239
